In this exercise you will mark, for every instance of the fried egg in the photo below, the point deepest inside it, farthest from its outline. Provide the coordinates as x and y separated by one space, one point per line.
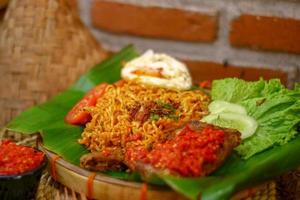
159 70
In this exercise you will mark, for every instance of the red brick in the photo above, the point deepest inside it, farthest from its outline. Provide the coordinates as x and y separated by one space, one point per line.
155 22
268 33
210 71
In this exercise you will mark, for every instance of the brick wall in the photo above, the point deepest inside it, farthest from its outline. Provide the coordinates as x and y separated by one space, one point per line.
216 38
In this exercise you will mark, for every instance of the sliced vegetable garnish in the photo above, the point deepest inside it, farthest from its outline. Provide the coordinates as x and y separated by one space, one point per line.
244 124
165 105
78 115
219 106
154 117
231 115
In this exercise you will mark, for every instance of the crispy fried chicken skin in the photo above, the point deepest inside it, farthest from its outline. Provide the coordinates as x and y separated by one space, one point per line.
198 149
105 160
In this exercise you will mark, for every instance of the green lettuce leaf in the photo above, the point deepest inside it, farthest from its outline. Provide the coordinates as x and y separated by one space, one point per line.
274 107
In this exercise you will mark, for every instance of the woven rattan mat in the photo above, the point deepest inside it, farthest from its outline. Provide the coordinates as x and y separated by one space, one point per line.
49 189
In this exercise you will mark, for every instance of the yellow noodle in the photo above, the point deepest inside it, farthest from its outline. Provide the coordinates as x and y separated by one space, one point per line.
111 123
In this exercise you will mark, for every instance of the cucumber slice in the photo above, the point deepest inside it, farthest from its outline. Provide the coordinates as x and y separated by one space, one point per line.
219 106
246 125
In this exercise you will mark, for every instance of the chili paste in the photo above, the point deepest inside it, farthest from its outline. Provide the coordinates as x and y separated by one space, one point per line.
186 154
16 159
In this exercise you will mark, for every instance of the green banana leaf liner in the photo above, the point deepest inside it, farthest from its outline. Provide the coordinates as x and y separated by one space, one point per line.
236 174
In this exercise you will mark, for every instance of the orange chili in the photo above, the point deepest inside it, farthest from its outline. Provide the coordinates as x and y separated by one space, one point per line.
16 159
144 189
89 185
205 84
120 83
53 167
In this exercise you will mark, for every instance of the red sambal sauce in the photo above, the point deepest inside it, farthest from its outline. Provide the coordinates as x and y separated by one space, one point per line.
188 151
17 159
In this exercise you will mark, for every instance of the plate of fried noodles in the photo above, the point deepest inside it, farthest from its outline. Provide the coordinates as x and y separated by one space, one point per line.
136 126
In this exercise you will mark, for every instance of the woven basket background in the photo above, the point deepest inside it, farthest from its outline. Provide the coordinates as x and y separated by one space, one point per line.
44 47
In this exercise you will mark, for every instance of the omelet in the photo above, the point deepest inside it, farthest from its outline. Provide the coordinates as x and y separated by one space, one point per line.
159 70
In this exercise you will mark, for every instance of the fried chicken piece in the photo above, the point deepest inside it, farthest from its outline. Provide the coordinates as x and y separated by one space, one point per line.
109 159
198 149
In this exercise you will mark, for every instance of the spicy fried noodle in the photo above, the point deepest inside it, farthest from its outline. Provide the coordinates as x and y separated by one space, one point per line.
135 114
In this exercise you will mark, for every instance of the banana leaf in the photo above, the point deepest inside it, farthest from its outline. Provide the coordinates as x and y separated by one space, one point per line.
236 174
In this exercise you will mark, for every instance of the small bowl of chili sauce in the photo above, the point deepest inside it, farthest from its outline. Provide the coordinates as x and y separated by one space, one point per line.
21 168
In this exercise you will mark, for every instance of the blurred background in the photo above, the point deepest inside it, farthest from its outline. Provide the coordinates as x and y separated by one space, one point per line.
217 38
